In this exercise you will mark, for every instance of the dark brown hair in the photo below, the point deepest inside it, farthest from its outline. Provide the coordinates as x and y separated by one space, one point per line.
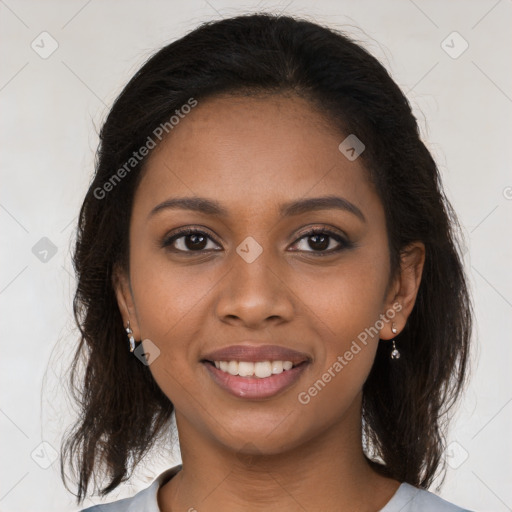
405 402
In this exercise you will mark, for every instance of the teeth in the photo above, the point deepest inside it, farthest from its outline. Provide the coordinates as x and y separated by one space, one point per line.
260 369
245 369
277 367
233 367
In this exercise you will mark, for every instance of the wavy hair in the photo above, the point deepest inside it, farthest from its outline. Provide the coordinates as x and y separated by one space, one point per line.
123 411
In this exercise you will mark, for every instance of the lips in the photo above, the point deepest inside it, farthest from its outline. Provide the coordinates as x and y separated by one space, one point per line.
291 364
254 354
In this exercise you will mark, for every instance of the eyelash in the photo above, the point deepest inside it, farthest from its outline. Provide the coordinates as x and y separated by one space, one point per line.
344 243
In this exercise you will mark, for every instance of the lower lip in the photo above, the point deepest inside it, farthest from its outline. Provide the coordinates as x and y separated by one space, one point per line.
253 387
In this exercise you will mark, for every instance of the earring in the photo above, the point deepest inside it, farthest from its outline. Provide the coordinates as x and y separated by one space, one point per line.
129 332
395 354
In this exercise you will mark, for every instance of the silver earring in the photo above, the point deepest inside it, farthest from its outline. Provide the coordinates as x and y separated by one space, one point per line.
395 354
129 332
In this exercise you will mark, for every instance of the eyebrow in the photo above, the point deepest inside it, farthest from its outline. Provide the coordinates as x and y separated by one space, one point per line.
298 207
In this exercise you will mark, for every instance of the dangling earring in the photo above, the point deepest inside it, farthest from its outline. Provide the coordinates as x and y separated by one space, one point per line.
395 354
129 332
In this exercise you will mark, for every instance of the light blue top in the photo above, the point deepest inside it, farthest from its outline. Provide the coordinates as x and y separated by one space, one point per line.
407 498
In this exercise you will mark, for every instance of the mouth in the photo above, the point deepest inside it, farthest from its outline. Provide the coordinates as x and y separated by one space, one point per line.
257 369
255 372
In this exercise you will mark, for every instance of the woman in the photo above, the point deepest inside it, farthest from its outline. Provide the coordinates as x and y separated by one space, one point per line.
266 251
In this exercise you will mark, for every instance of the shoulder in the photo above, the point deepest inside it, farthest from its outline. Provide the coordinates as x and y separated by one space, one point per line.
138 502
143 501
411 499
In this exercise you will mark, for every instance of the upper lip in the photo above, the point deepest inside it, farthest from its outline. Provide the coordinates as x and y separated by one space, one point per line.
253 353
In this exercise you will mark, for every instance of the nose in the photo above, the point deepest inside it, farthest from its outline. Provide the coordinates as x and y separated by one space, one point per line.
254 294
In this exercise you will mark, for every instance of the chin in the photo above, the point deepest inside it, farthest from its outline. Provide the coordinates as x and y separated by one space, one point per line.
254 437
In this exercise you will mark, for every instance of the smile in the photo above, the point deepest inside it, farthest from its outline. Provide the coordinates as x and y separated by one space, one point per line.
259 369
255 380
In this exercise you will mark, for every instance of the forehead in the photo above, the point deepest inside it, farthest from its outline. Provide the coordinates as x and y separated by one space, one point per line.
248 152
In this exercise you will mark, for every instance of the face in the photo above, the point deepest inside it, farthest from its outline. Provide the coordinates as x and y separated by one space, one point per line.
268 272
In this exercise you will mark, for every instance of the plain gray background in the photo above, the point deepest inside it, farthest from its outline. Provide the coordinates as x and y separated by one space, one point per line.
53 104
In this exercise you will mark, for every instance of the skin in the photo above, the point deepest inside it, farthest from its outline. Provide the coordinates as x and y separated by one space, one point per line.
251 155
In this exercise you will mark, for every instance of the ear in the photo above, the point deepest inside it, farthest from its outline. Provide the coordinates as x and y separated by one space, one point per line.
125 302
404 289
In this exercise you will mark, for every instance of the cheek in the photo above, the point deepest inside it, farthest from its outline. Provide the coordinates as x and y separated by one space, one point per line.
348 304
346 298
167 304
349 307
167 296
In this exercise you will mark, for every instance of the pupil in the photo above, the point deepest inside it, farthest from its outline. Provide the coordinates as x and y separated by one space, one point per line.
197 240
319 245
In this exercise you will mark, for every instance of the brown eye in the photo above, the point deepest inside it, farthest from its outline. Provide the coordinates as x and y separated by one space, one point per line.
319 242
189 240
195 242
322 241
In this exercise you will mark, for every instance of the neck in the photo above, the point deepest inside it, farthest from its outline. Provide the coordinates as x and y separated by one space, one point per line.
329 472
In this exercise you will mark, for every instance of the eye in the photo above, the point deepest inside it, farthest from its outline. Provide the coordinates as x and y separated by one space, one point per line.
323 242
189 240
